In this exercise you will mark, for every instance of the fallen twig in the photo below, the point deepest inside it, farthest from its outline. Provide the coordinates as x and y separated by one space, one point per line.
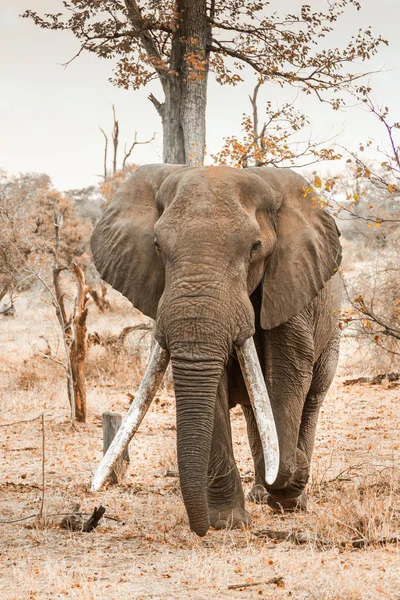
364 542
305 537
274 580
171 473
22 449
76 522
18 422
63 514
375 379
298 537
7 521
49 418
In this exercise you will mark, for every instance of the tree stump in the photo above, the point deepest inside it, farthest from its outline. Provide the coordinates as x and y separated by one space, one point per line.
111 423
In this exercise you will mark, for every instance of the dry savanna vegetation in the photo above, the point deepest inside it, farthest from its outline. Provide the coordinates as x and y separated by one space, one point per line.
65 336
345 547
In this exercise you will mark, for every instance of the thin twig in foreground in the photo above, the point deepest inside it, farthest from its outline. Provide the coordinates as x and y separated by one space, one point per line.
34 515
43 459
273 580
6 522
18 422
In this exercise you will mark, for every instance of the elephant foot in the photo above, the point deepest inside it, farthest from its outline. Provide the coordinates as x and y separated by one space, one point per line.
229 518
258 494
287 504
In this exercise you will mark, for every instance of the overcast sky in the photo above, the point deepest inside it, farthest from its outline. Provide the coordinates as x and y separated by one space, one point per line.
50 116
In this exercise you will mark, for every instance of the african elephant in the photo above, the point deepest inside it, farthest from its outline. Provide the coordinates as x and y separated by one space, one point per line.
217 255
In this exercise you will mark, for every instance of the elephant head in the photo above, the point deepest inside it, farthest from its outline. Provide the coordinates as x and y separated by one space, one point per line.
188 246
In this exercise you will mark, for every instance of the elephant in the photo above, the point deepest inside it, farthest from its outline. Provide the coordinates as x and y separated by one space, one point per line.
218 256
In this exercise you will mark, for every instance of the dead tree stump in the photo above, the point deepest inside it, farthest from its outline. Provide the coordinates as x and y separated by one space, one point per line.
78 345
111 423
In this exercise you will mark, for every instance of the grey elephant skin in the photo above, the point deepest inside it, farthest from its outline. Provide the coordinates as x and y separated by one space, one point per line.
216 255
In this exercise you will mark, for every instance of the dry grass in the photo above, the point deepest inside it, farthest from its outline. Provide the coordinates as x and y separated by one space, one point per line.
355 492
371 271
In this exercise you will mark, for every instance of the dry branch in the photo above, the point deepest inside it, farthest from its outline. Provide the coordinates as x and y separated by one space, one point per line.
78 348
374 380
100 299
18 422
43 460
127 153
105 174
115 136
115 139
77 522
96 339
305 537
279 581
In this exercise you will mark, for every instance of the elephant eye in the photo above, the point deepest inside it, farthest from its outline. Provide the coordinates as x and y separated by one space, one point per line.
255 247
157 247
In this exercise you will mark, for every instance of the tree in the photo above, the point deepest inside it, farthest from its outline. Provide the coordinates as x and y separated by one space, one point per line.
32 249
181 41
366 202
376 204
27 230
115 142
276 142
73 326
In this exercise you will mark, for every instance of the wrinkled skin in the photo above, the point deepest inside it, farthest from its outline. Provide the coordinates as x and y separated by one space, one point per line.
217 255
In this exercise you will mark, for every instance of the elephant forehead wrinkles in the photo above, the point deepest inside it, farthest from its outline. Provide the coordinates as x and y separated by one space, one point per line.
206 219
209 202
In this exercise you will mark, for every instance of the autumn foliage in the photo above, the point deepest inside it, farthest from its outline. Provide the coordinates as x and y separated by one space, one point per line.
179 42
27 204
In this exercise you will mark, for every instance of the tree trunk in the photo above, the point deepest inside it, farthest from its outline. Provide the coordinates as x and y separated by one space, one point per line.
185 87
78 347
195 33
111 423
173 136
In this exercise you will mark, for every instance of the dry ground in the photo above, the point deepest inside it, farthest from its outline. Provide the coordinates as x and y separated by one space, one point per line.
355 490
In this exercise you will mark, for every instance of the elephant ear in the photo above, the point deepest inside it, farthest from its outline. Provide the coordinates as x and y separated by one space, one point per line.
308 251
123 240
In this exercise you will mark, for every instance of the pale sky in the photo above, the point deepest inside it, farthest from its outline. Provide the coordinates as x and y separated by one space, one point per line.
49 116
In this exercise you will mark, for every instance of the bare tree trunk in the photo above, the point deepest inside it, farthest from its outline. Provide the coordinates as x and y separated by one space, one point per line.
183 112
78 348
111 423
173 138
115 139
195 33
105 174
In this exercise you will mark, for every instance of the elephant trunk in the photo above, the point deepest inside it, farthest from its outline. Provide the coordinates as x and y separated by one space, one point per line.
196 385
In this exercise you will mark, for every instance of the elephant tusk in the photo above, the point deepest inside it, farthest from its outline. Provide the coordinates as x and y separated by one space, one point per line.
261 404
150 383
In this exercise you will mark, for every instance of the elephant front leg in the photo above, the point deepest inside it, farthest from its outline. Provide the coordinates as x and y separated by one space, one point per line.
225 493
258 492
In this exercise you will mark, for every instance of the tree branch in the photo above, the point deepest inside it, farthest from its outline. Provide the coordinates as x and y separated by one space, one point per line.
159 106
105 153
142 31
135 143
115 139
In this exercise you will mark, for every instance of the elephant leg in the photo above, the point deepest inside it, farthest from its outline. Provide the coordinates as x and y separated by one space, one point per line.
225 493
323 374
258 492
289 360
